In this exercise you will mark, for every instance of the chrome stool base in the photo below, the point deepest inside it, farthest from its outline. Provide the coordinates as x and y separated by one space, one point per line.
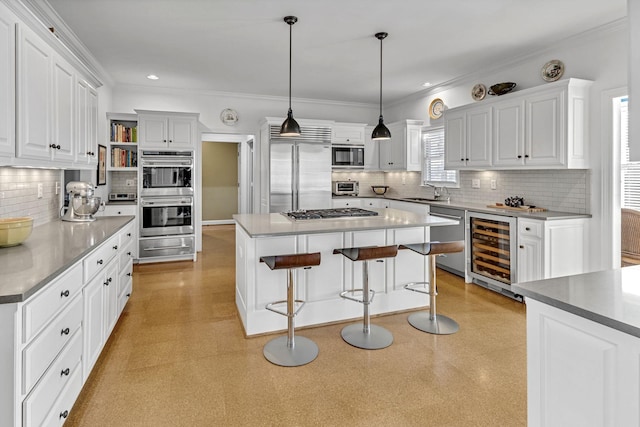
279 353
439 325
377 337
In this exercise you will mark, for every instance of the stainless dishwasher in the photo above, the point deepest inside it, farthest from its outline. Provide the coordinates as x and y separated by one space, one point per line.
453 263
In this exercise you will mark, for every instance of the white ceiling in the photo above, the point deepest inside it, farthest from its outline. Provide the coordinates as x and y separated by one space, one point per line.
243 45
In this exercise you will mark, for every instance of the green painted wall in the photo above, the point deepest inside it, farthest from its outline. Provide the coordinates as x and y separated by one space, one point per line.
219 180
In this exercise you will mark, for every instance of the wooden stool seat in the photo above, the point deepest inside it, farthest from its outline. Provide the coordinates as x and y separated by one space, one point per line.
430 322
290 350
365 335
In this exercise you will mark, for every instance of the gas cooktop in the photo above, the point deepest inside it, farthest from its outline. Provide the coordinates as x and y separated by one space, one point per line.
329 213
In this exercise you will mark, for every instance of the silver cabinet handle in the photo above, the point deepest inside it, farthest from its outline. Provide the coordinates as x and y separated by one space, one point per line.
165 247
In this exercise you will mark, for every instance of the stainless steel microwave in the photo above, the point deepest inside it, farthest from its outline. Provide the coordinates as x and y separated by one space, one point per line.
347 156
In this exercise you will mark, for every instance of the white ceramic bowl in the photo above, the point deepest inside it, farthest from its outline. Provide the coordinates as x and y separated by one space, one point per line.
14 231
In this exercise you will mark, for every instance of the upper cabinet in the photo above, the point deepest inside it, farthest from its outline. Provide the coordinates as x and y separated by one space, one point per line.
404 150
348 133
468 138
56 108
7 82
167 130
541 127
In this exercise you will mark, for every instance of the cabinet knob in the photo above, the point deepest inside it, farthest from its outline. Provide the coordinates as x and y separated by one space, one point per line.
129 274
65 331
171 140
164 140
64 293
115 247
462 160
128 234
57 147
128 295
64 414
100 261
519 157
527 229
521 247
64 372
466 160
129 253
379 260
526 156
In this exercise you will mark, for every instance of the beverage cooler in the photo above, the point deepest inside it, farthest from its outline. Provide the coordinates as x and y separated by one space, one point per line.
491 259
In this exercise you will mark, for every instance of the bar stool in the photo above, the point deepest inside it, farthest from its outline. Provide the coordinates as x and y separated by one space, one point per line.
365 335
289 350
431 322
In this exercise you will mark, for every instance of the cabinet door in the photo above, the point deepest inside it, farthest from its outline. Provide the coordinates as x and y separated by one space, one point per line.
530 259
63 110
153 131
346 203
508 134
454 140
93 328
414 148
182 131
385 149
377 268
111 297
478 137
545 128
7 82
82 151
342 134
92 126
33 96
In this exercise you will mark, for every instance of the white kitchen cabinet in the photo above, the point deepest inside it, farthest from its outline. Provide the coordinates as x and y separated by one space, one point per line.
167 130
64 104
348 133
346 202
551 248
508 133
86 123
375 203
129 236
7 82
371 151
403 151
468 138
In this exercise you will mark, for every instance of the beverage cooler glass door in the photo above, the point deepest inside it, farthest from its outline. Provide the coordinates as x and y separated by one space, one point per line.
166 216
492 247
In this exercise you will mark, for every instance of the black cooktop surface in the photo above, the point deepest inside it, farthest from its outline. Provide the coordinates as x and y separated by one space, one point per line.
330 213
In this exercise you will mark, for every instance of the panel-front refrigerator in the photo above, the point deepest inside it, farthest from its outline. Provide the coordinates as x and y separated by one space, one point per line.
300 176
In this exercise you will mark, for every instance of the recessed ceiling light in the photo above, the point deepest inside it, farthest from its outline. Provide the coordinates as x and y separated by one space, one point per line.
152 77
426 84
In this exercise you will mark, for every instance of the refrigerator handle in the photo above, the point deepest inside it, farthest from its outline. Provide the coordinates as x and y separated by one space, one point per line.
296 174
294 204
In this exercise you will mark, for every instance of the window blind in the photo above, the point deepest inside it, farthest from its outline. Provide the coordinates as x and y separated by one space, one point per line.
433 171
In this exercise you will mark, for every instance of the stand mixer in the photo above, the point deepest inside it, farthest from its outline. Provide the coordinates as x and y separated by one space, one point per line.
82 203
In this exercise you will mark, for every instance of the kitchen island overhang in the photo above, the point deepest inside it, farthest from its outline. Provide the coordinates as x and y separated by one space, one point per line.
273 234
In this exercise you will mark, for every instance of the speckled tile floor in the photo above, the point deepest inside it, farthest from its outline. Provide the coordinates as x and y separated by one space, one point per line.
178 357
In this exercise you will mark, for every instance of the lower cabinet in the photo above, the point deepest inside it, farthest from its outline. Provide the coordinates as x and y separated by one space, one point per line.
59 333
346 203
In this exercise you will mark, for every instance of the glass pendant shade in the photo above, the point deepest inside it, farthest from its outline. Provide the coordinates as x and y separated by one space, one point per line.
290 127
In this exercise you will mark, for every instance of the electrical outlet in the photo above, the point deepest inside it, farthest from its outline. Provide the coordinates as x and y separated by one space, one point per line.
404 179
475 183
40 190
129 183
494 184
57 187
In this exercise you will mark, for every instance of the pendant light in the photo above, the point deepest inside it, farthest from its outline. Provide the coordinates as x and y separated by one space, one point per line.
381 132
290 127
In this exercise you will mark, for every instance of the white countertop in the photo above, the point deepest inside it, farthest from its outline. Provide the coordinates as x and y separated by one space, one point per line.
610 297
276 224
50 250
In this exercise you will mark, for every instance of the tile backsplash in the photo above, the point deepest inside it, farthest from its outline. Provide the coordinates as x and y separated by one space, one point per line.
19 193
557 190
119 182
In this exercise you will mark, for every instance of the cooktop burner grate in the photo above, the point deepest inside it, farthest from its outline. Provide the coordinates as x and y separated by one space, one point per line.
330 213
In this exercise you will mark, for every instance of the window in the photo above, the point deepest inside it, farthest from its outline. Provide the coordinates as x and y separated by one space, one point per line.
630 171
433 171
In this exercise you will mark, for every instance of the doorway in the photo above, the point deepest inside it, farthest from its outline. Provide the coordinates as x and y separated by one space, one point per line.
220 182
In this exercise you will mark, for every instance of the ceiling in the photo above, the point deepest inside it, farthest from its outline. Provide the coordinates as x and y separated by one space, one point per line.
242 46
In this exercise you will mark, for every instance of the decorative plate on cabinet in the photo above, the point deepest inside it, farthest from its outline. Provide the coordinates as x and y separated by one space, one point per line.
436 108
552 70
478 92
229 117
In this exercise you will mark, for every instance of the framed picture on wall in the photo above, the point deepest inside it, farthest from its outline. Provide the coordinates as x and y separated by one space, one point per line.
102 165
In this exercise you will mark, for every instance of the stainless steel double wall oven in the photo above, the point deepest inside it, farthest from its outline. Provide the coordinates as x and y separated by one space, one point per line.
167 229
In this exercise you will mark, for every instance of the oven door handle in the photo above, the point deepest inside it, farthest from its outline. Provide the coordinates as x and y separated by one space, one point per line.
167 163
160 248
165 204
446 216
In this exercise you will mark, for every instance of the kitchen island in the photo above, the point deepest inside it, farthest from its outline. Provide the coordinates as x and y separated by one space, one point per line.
273 234
583 349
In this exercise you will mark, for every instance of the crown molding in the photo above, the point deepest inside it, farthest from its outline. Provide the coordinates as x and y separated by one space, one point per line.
41 17
611 27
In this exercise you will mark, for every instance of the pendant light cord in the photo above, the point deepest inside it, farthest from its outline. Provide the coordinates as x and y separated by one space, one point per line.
290 48
380 77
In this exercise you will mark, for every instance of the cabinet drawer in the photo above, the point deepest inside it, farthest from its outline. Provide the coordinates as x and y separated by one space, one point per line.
99 258
37 405
126 276
124 297
62 406
126 253
529 228
127 235
37 356
51 299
